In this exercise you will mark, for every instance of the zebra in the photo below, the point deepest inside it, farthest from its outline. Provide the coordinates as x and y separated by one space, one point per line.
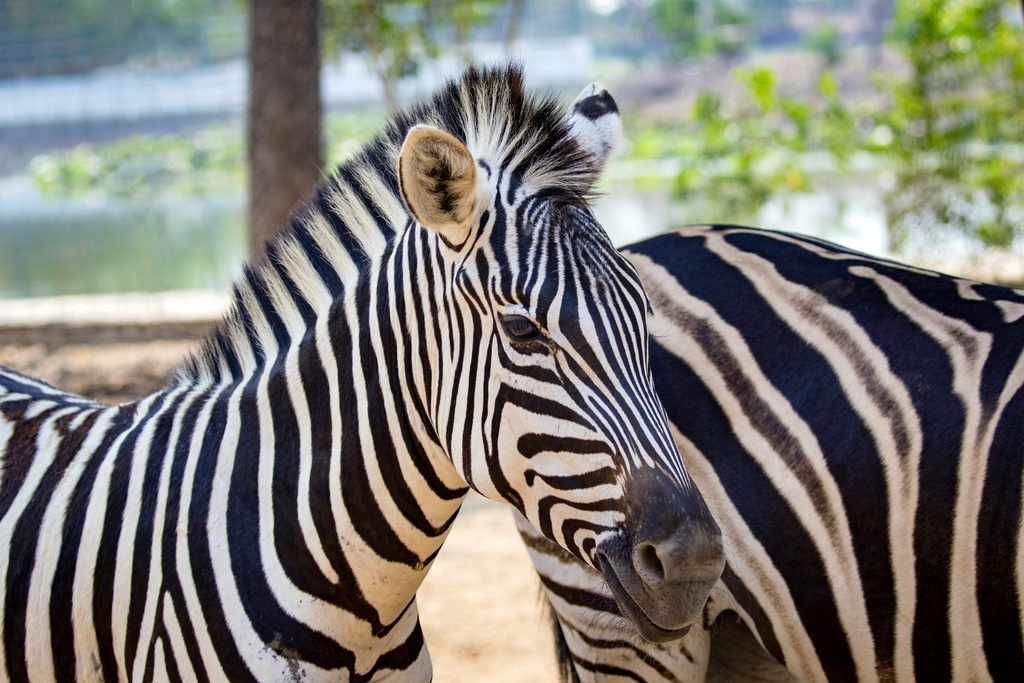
444 313
857 427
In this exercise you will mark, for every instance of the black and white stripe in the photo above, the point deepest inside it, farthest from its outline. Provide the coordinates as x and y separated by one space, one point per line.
857 427
270 515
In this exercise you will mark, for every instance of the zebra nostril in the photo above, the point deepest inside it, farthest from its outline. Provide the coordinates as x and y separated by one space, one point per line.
648 563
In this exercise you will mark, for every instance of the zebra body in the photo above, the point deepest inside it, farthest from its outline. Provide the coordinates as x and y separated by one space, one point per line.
443 313
857 427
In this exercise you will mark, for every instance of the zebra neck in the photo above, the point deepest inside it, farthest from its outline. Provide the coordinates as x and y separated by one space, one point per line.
316 478
361 489
325 463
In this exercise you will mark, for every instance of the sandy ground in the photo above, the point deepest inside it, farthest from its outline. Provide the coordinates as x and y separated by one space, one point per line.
480 605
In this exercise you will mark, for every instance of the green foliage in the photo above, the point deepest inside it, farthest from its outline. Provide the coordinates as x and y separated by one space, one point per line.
948 132
956 121
397 36
211 161
677 22
732 29
61 36
680 25
393 35
736 156
826 43
143 166
345 134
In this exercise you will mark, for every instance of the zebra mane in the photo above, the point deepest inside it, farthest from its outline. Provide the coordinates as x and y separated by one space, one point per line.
347 224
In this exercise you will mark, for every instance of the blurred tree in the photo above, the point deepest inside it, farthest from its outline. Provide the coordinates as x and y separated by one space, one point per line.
826 42
391 35
953 132
756 149
285 148
732 29
677 22
691 28
736 155
285 155
945 133
396 36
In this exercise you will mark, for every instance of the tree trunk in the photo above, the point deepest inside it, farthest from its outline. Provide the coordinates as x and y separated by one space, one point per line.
285 151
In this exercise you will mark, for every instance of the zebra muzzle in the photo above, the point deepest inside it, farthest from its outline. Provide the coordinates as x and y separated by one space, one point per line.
662 568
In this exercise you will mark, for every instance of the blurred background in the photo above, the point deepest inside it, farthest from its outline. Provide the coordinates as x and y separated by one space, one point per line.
127 126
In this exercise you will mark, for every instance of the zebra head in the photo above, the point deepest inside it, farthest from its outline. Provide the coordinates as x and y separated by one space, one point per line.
542 394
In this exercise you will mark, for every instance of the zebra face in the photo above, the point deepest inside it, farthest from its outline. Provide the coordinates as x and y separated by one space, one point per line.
545 399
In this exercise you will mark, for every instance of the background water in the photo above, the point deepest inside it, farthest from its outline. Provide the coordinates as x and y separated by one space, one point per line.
51 246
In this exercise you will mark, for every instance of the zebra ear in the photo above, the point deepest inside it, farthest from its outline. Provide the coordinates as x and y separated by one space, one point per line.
594 121
438 179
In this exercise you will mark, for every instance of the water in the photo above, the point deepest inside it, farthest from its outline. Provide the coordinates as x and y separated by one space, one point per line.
851 215
98 245
53 246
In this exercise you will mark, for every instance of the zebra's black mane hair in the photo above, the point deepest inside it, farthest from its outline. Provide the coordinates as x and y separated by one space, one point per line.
347 224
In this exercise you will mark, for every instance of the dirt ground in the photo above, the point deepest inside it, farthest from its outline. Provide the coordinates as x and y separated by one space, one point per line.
111 373
480 605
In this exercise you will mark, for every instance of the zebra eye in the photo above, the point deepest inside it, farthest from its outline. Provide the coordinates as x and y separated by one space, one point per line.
520 328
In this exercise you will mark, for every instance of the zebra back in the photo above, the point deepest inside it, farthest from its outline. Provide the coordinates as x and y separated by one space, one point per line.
856 426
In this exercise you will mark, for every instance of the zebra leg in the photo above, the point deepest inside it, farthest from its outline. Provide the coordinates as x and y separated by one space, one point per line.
594 643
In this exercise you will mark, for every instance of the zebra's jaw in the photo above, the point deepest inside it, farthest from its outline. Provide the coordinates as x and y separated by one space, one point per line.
632 611
663 565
